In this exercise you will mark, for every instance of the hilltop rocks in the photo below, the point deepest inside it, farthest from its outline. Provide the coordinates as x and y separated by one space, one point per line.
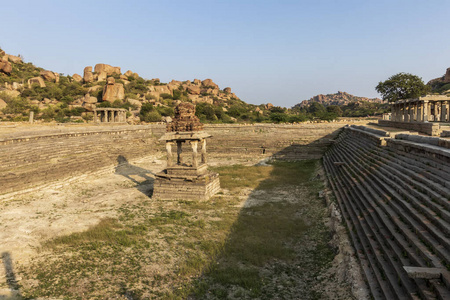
193 90
130 74
340 98
13 58
77 78
89 99
102 76
50 76
268 106
447 76
113 91
88 76
36 80
109 70
5 66
227 90
209 83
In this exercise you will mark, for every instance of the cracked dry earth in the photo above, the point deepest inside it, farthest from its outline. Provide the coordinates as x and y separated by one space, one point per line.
173 261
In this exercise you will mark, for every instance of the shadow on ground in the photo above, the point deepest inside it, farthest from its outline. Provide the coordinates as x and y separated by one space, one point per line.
279 245
138 175
11 280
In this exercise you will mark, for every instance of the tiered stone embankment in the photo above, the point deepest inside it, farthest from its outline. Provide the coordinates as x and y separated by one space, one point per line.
396 203
33 155
34 159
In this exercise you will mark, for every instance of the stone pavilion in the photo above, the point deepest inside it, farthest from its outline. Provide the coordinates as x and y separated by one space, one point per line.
186 177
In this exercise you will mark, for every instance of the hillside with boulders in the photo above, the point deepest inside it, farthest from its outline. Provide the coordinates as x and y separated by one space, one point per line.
441 85
343 104
55 96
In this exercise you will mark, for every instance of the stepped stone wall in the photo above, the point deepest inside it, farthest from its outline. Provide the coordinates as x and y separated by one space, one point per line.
432 129
394 196
35 156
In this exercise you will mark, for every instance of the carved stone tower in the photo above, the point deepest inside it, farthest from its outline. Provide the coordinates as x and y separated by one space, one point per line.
186 177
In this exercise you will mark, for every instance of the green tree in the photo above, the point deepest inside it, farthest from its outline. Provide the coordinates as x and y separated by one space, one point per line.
334 109
402 86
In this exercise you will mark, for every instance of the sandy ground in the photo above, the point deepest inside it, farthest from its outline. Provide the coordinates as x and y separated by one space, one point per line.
66 207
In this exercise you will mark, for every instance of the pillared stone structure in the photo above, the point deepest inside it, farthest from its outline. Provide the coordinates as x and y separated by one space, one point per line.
186 178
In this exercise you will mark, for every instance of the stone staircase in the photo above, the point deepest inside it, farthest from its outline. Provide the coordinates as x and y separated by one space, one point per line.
396 205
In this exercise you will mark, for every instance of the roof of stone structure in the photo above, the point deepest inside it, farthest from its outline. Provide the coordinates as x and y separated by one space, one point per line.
185 119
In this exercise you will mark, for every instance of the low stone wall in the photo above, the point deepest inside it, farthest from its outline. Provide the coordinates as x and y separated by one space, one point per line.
432 129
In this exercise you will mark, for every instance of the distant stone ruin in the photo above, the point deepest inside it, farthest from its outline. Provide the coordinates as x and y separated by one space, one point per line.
110 115
188 179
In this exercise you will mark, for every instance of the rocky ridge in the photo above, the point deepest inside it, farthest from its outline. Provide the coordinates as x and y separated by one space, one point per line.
339 98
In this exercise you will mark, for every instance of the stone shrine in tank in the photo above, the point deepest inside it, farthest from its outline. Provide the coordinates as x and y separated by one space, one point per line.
186 177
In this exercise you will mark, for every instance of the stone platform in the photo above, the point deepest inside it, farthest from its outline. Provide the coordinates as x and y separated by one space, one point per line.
188 187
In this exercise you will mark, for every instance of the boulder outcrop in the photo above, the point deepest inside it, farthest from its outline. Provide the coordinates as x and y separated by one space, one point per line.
50 76
88 76
209 83
131 74
227 90
77 78
113 91
36 80
5 66
2 104
109 70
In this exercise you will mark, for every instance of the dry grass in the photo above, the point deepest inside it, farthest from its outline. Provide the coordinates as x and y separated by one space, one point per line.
180 249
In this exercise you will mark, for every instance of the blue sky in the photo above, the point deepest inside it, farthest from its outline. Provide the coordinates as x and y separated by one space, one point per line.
281 52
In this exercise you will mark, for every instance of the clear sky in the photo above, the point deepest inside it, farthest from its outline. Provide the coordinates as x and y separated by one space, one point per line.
281 51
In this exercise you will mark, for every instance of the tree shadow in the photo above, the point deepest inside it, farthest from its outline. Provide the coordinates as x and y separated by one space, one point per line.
277 247
138 175
10 278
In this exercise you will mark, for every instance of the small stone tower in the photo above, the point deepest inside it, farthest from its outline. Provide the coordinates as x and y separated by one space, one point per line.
186 178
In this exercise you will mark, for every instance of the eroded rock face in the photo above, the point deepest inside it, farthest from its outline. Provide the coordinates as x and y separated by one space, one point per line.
109 70
13 58
37 80
113 91
209 83
49 76
447 76
102 76
194 90
227 90
88 76
5 67
77 77
131 74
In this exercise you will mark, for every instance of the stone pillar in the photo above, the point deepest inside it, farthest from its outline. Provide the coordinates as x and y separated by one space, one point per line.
169 154
447 111
31 119
95 116
179 151
425 111
405 112
392 112
194 145
112 116
204 151
106 116
411 111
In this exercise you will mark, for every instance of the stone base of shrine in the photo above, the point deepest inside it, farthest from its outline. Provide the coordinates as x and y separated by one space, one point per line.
169 187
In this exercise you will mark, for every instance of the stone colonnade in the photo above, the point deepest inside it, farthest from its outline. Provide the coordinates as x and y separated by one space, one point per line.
194 145
110 115
435 108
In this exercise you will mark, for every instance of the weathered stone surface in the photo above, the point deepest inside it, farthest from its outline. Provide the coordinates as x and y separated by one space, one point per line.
102 76
113 91
227 90
447 76
13 58
37 80
88 76
131 74
194 90
77 77
209 83
268 106
5 67
49 76
197 82
108 69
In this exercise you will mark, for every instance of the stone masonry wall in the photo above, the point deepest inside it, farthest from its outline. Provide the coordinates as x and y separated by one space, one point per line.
35 156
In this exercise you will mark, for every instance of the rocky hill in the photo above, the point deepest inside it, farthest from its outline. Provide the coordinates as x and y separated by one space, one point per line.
441 84
25 87
340 99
